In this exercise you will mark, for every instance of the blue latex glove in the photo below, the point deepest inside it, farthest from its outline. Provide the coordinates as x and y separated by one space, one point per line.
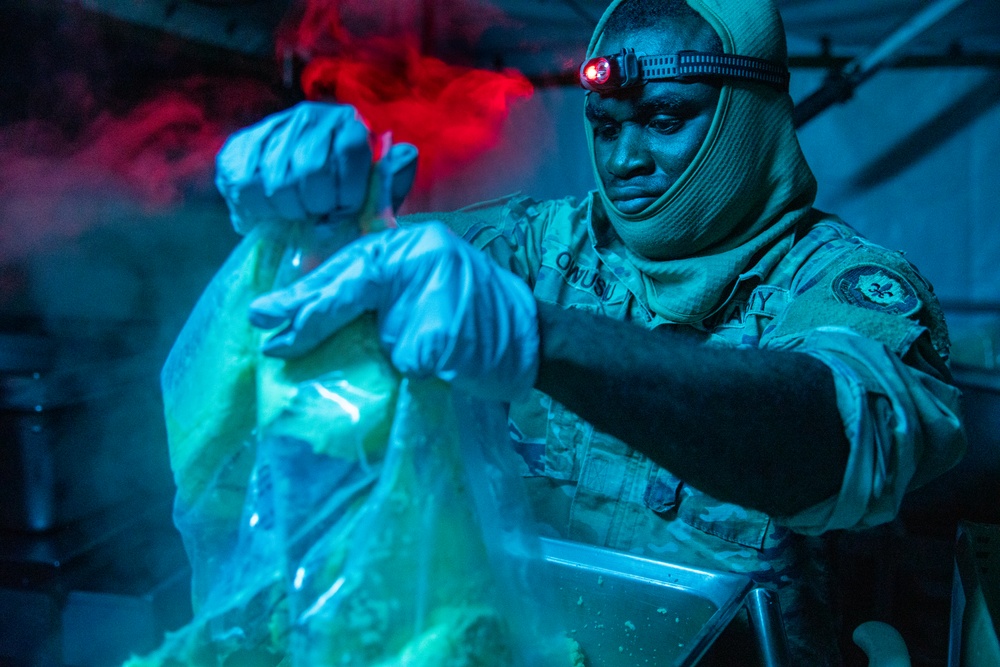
444 309
311 160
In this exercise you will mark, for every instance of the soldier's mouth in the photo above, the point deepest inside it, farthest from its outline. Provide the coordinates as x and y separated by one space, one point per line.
632 204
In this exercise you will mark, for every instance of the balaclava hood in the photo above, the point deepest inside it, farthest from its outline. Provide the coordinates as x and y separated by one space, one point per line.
747 186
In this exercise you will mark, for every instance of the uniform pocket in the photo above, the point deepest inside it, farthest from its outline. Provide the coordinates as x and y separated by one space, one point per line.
739 525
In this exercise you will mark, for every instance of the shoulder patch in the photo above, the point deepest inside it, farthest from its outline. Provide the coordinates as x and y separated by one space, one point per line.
877 288
875 292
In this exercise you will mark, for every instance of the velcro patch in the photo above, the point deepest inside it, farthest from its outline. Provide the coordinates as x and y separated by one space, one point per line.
876 288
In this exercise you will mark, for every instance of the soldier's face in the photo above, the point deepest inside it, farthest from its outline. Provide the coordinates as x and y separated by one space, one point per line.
645 137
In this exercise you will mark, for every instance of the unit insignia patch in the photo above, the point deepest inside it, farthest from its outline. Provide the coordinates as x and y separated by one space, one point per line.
876 288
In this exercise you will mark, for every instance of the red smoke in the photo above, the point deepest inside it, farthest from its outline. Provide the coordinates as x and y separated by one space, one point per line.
367 54
451 113
325 27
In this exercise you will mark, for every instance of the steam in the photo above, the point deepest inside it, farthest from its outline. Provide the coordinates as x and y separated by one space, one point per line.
109 229
55 185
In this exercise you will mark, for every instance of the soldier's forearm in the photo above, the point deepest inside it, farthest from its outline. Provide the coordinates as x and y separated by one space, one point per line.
753 427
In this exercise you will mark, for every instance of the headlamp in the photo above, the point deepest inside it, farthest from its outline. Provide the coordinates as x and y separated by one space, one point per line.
604 74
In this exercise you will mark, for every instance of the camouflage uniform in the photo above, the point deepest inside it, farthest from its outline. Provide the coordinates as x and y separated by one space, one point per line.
815 292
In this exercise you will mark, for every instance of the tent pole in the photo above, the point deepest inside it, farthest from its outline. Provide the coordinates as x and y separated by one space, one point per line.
839 85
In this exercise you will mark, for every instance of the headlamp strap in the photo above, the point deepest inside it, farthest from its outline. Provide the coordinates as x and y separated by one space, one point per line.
695 63
625 69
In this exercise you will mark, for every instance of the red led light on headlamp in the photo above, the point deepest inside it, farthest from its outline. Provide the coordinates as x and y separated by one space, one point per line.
597 70
605 73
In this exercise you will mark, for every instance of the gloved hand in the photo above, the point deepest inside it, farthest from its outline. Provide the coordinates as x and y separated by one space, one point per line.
310 160
444 309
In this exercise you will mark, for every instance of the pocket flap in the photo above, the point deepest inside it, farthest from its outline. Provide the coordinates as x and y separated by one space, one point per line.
740 525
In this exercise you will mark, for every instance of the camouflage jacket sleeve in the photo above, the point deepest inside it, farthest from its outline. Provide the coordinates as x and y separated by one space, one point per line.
868 315
508 229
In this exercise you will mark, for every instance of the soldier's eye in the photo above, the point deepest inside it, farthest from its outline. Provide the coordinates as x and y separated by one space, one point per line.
665 124
606 131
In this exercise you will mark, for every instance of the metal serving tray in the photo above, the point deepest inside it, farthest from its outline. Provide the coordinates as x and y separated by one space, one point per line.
628 611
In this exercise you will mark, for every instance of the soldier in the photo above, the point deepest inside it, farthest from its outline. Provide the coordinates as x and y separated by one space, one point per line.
701 366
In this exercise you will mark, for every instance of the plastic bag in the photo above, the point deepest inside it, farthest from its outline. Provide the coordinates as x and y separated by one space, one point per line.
218 390
331 517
